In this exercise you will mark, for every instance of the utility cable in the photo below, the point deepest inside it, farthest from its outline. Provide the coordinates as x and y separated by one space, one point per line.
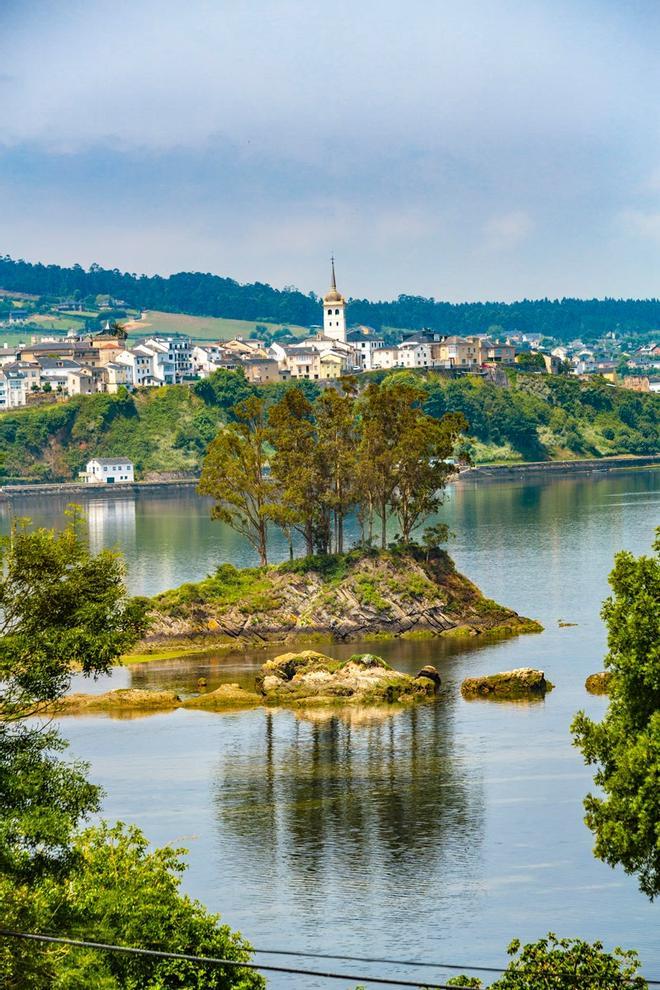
213 961
386 962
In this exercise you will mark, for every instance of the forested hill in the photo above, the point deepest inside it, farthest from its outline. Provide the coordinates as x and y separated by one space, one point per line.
203 294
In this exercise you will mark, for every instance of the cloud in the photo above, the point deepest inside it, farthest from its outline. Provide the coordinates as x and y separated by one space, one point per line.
507 231
255 138
642 224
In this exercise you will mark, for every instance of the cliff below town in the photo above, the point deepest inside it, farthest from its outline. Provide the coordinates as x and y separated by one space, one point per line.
345 597
535 418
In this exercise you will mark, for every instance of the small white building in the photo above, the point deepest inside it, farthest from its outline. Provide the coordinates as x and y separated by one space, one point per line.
108 471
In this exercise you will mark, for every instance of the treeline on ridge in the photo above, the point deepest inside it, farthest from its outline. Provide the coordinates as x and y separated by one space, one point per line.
205 294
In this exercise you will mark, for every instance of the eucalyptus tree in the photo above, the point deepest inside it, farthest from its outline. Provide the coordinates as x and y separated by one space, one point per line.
235 474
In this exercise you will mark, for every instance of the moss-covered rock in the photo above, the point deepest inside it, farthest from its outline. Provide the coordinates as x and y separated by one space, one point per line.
347 596
524 682
115 702
313 678
223 698
598 683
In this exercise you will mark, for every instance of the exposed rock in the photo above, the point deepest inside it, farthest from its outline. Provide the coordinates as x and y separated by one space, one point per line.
523 682
224 697
432 674
115 702
311 678
598 683
372 592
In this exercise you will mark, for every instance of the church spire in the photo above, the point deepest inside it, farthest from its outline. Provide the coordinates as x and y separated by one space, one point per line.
334 306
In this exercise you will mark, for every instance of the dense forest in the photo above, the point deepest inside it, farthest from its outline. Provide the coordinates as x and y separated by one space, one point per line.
539 417
204 294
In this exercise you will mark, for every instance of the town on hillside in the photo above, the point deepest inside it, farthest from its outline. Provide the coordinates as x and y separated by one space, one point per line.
102 359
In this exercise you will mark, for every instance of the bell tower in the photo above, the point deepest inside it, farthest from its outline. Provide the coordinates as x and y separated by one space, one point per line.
334 311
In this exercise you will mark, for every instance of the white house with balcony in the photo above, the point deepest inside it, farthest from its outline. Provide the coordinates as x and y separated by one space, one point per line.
108 471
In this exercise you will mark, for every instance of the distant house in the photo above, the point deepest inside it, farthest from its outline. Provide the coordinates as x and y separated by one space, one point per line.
108 471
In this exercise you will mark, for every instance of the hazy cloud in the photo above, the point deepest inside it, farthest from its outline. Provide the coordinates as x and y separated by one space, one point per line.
253 139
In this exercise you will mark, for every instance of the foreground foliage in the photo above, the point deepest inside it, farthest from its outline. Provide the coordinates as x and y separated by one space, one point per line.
63 609
625 746
555 963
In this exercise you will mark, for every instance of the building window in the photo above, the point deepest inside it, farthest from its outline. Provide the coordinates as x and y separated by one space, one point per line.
336 312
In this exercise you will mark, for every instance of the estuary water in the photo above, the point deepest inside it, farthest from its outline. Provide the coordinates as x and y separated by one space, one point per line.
439 832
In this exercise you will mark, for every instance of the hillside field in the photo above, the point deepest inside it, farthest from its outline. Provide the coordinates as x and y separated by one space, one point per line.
201 327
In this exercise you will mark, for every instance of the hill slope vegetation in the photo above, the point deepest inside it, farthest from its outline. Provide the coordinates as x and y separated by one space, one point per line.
162 430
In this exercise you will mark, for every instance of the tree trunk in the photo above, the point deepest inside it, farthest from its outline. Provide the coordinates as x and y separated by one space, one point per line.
263 553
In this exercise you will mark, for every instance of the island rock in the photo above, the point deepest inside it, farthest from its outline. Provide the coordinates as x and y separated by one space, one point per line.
598 683
524 682
313 678
342 597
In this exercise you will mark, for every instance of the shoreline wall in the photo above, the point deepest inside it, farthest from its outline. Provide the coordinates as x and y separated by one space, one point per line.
481 472
484 472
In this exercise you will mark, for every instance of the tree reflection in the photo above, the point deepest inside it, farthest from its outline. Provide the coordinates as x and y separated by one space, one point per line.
370 793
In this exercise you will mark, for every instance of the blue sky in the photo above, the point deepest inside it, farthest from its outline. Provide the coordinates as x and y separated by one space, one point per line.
497 149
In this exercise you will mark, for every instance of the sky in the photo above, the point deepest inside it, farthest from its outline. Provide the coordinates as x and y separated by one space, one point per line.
467 150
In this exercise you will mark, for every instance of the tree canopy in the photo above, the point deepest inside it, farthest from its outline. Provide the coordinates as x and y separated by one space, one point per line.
65 608
313 463
625 745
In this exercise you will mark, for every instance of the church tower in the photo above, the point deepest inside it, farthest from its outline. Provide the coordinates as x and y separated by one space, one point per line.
334 311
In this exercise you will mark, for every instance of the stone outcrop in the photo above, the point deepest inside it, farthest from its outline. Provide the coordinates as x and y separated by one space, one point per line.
598 683
524 682
125 702
370 592
115 702
225 697
311 678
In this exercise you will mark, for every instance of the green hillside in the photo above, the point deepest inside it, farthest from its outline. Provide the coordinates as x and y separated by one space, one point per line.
203 327
538 417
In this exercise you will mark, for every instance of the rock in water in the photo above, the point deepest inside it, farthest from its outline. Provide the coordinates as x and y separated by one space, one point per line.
429 671
313 678
598 683
524 682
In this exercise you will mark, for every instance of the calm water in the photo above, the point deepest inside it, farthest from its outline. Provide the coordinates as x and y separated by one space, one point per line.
440 832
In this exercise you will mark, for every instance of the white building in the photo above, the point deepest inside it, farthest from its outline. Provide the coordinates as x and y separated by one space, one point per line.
150 365
13 389
178 350
386 357
415 354
334 311
365 343
108 471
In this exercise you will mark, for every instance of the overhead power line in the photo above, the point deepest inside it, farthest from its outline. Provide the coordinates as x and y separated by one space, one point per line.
213 961
374 959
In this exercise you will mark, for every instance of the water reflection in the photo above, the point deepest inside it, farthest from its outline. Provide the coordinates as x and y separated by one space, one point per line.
110 522
379 799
